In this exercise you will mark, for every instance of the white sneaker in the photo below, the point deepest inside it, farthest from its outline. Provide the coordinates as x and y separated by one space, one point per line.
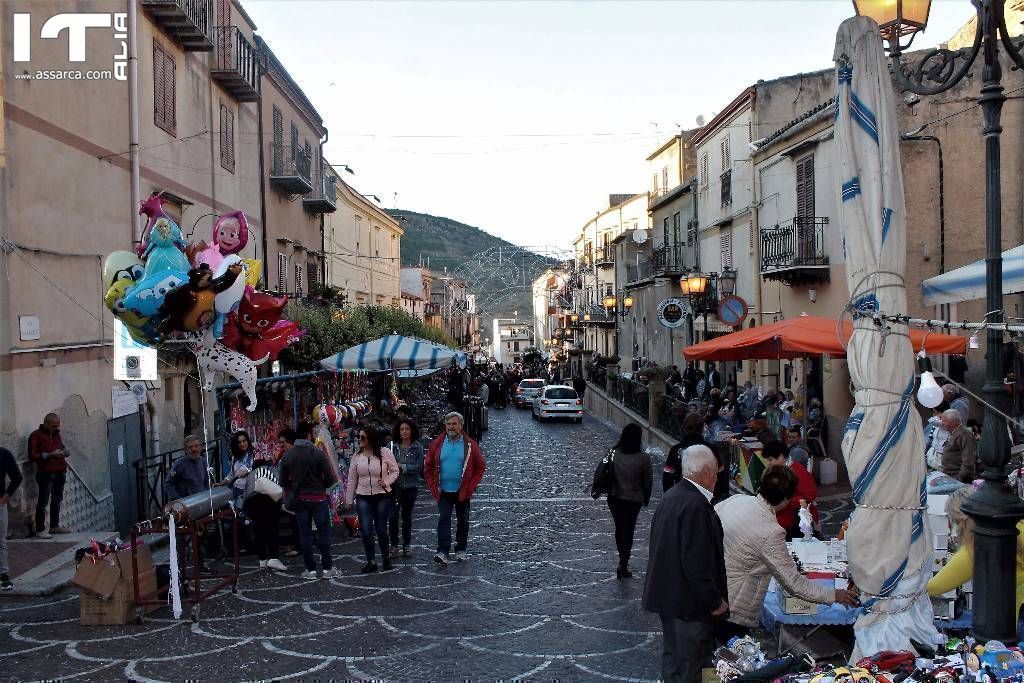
44 534
276 564
263 564
441 558
329 573
308 576
460 556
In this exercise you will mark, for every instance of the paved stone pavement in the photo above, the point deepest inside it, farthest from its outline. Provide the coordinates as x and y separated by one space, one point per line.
537 598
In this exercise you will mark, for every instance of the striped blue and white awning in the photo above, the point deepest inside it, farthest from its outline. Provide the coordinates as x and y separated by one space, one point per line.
968 282
394 352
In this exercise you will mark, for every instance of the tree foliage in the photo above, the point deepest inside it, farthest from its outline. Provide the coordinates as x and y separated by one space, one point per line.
330 329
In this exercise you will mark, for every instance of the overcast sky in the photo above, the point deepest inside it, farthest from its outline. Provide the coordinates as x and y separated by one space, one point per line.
521 117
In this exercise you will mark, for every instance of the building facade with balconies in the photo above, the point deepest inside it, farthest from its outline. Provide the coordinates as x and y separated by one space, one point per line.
69 199
594 278
363 244
293 171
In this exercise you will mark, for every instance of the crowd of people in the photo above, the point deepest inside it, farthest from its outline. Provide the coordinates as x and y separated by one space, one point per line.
293 488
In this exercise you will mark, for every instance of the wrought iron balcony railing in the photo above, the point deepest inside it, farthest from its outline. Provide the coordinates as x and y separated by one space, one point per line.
323 198
635 272
795 252
290 169
236 63
604 257
187 21
674 259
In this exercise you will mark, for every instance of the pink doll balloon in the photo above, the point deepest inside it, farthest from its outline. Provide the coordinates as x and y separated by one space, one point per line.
230 235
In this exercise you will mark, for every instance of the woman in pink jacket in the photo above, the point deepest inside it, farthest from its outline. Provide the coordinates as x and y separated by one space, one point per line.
370 476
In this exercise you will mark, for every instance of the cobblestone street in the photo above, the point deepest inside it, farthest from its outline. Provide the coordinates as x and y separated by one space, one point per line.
537 598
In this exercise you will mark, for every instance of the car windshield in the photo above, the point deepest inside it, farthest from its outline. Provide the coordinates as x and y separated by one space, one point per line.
562 392
531 384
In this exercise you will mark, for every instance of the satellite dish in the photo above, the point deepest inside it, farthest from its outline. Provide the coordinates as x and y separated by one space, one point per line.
639 236
700 119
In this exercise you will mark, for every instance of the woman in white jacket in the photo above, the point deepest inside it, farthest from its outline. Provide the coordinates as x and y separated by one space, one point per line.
755 551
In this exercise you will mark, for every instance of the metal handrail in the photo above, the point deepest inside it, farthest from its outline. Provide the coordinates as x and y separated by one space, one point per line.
284 161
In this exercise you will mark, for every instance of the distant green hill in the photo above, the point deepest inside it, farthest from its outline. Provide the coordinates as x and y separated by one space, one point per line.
468 251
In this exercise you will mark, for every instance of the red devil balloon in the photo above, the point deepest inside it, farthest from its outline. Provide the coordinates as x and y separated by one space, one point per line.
257 329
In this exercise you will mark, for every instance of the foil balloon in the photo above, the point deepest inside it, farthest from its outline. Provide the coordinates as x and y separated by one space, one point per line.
147 296
213 357
190 307
122 265
164 252
253 268
230 235
152 209
141 329
256 328
228 299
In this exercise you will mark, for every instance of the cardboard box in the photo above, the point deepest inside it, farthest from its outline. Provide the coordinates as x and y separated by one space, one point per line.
119 608
791 605
100 577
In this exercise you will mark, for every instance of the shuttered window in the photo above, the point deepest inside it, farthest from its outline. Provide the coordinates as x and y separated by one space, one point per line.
295 141
278 141
805 187
282 273
163 89
227 138
726 154
666 235
725 241
704 169
313 275
298 280
676 228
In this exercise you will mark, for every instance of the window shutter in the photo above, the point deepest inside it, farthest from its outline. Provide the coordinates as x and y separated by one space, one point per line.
170 102
312 275
654 183
665 231
298 280
726 154
282 266
725 241
158 85
278 140
227 138
295 141
805 187
704 169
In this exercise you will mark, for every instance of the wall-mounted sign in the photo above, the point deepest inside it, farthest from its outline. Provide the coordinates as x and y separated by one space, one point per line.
732 311
132 360
123 402
29 327
671 313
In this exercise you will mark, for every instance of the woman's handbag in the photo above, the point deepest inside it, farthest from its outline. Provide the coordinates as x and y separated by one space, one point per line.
604 476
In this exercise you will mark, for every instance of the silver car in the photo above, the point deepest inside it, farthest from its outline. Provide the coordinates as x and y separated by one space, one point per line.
558 401
528 390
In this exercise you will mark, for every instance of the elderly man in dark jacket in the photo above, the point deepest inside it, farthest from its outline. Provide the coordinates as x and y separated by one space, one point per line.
686 583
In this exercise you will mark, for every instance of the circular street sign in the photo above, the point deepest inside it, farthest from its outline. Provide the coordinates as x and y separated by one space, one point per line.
671 312
732 310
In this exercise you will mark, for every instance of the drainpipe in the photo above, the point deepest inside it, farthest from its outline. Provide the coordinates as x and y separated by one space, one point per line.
263 194
133 123
323 239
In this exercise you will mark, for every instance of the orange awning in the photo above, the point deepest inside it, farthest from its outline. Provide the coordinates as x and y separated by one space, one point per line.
804 336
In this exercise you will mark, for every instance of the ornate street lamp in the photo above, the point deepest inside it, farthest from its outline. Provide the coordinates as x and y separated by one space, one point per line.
896 18
727 282
995 508
610 301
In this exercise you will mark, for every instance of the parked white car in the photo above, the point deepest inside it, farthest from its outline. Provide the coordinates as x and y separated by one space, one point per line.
528 390
558 400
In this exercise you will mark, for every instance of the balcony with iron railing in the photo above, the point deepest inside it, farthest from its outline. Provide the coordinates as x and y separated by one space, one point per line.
290 169
674 259
188 22
638 272
323 198
604 257
236 63
794 252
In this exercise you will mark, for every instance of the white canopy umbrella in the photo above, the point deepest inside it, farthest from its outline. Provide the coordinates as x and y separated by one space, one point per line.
967 283
394 352
887 543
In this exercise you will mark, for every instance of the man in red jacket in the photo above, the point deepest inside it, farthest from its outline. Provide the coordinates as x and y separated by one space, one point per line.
452 469
46 449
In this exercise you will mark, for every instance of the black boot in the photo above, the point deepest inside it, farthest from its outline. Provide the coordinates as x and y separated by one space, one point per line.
623 570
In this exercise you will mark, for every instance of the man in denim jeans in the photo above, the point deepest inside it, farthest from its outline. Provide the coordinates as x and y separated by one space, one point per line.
453 469
305 476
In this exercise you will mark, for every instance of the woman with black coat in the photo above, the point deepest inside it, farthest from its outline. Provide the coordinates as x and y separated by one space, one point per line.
633 481
693 435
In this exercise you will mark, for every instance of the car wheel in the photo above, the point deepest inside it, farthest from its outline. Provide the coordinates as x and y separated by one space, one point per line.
579 420
533 415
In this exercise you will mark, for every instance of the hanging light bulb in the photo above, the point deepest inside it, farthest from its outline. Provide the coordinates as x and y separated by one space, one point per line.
929 394
973 342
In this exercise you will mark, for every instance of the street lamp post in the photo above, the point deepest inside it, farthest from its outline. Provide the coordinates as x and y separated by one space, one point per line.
995 508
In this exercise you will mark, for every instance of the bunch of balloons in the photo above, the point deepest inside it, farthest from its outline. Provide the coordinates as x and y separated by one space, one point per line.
169 289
